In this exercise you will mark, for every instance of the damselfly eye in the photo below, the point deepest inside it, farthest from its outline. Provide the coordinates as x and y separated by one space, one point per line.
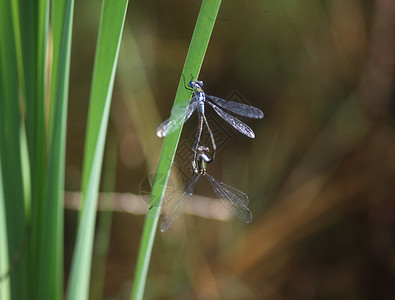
191 84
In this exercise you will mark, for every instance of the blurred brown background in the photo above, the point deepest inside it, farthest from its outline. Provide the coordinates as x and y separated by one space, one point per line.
320 173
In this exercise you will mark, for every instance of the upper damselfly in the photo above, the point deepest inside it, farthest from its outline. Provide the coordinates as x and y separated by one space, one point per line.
180 114
199 98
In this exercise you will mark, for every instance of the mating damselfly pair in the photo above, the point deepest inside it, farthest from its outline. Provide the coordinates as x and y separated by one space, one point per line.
233 199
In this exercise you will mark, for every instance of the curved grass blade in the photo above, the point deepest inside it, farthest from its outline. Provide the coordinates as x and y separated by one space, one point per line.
111 26
236 123
240 109
50 279
30 24
103 234
11 150
197 49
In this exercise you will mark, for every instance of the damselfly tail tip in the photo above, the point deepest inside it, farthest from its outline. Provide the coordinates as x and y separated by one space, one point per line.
160 134
258 114
249 220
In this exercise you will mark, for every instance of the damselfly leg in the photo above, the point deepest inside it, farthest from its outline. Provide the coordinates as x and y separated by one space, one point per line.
202 118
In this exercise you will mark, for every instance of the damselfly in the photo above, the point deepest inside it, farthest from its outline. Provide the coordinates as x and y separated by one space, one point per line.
182 114
233 199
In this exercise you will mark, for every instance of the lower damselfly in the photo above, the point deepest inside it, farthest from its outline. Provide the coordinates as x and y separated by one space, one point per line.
175 202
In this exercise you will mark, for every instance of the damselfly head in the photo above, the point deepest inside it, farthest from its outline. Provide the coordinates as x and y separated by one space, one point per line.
196 84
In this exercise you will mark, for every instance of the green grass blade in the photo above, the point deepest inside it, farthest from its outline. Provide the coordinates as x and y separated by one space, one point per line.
5 292
31 30
50 277
30 22
10 150
111 26
197 49
103 236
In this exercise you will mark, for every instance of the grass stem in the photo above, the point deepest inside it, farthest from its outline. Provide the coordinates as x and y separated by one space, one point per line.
194 60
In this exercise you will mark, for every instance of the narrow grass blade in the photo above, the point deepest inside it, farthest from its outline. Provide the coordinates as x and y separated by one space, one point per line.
5 292
102 242
197 49
50 277
31 21
30 25
110 32
10 150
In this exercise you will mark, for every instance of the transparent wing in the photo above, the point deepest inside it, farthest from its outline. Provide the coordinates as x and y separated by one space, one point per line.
237 108
154 201
179 115
171 196
146 184
236 123
176 205
233 199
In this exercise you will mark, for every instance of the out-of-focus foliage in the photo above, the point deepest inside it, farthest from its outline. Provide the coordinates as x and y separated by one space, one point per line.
320 173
